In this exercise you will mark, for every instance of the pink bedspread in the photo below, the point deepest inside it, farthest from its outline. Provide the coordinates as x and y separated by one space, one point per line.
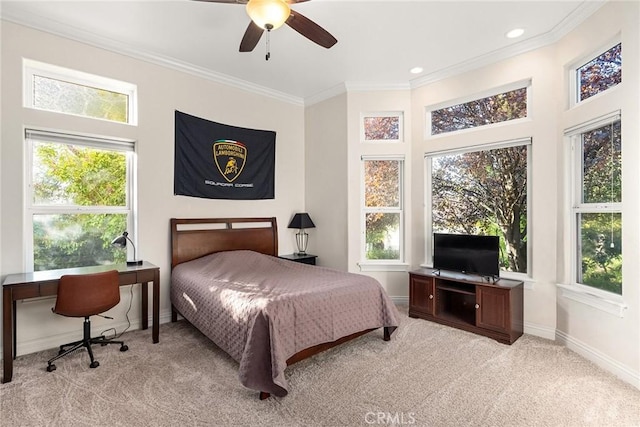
261 310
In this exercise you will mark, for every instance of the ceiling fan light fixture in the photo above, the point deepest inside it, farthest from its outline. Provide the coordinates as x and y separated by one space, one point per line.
268 14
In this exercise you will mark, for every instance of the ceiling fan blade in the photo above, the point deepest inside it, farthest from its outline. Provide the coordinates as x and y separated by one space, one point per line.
225 1
247 1
251 37
310 29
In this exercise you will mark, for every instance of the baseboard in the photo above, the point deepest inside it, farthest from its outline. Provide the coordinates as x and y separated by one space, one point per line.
53 341
400 300
541 331
586 351
611 365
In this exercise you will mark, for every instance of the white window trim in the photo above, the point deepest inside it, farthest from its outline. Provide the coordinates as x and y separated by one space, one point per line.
593 297
526 83
113 144
383 265
398 114
608 302
428 214
33 68
572 72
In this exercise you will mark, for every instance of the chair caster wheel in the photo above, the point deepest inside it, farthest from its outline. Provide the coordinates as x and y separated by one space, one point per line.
94 364
124 347
51 368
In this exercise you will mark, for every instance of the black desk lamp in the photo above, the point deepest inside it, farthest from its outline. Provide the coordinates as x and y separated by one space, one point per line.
121 242
301 221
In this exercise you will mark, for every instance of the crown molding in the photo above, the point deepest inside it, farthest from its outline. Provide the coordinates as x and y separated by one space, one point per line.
353 87
92 39
582 12
579 15
326 94
369 87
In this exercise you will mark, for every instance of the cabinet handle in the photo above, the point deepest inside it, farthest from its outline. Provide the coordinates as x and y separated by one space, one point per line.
430 296
477 306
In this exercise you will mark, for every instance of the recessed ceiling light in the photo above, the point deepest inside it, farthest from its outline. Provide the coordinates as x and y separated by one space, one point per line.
516 32
416 70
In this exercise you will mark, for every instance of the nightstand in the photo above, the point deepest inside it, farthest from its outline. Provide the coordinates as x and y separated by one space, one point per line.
303 259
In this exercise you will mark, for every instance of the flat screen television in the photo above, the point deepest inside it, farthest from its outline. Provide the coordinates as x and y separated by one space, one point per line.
467 253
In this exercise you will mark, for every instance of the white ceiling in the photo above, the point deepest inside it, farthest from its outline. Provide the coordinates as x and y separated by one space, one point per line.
378 41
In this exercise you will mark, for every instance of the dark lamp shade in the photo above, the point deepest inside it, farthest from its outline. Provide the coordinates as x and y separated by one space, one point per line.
301 220
121 242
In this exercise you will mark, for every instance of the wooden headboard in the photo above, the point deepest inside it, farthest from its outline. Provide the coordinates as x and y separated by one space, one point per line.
193 238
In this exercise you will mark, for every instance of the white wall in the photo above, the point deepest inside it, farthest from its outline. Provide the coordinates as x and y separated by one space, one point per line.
359 103
537 66
160 92
611 340
326 180
318 169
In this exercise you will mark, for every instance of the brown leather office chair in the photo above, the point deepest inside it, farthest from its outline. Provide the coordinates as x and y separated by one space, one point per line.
84 295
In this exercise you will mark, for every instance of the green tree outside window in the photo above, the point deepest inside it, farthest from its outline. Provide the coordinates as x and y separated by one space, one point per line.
77 178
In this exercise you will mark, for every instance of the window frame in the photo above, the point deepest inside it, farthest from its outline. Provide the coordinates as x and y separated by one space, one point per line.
526 83
572 73
398 114
33 68
383 264
34 134
576 207
428 207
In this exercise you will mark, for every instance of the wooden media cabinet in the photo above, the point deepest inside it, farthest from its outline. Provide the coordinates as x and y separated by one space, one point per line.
493 308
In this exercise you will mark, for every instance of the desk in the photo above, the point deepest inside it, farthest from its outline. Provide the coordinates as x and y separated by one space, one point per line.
45 283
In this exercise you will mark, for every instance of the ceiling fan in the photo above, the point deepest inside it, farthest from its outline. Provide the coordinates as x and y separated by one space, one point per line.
272 14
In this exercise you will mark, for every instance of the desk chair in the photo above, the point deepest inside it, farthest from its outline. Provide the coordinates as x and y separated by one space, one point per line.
84 295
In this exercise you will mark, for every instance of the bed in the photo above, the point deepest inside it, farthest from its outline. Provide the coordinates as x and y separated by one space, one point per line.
264 311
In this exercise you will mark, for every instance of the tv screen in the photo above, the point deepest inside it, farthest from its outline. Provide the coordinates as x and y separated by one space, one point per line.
466 253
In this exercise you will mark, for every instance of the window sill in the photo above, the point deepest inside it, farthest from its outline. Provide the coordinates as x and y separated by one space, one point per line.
615 306
383 266
523 277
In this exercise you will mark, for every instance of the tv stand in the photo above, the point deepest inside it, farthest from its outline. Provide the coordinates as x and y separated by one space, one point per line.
493 308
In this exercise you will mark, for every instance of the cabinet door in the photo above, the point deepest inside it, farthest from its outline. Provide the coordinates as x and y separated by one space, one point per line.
421 295
492 308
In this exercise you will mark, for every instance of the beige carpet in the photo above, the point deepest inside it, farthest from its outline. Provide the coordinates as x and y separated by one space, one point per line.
428 375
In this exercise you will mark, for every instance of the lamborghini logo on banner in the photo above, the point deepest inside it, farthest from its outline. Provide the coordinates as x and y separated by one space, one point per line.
217 161
230 157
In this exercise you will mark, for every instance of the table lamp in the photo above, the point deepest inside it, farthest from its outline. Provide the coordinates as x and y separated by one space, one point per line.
121 242
301 221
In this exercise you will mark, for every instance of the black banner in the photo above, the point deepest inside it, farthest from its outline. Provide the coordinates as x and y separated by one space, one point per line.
217 161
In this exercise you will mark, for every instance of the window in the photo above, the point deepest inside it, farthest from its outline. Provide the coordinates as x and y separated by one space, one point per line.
79 198
600 73
597 204
482 191
382 127
382 209
498 108
61 90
